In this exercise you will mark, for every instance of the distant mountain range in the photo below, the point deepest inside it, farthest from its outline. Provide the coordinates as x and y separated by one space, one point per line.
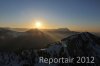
29 39
26 29
77 45
32 38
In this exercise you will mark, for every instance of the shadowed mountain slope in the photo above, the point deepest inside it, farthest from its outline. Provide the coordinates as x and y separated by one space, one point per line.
79 45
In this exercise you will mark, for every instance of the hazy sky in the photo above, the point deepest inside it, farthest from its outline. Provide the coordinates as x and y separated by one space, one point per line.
81 15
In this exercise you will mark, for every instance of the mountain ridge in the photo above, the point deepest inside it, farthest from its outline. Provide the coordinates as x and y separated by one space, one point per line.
82 44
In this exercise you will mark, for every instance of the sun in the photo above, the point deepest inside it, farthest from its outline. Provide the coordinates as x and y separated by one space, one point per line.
38 24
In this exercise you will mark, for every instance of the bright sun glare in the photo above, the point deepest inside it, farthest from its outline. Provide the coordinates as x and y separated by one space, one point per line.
38 24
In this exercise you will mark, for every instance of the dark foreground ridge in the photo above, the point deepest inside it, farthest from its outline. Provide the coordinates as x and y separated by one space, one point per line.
79 45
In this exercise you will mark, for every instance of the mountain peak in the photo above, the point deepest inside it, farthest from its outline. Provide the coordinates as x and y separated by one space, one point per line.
33 30
63 29
81 36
